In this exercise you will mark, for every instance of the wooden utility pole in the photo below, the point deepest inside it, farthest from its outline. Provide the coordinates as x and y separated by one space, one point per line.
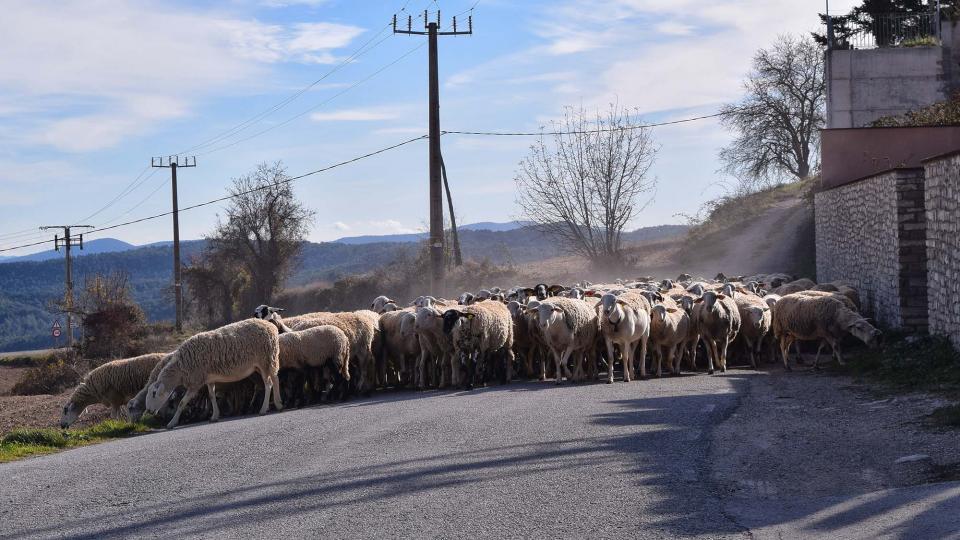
173 163
68 281
432 31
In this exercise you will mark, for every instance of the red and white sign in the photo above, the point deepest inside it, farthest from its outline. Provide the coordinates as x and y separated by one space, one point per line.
55 330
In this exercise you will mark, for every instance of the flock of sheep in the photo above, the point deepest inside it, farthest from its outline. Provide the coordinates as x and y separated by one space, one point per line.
543 331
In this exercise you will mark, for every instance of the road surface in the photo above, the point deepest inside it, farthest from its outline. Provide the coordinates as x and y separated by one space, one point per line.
524 460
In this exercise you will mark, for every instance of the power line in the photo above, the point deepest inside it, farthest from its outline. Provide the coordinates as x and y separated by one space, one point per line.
289 99
131 187
317 106
234 195
360 51
584 131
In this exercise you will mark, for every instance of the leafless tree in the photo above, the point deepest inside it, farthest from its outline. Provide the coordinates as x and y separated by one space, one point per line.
263 232
585 185
777 123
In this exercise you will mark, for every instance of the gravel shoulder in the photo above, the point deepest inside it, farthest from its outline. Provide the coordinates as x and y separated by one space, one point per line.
809 454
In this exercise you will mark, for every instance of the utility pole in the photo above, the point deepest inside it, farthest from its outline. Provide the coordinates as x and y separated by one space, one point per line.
432 30
173 163
68 281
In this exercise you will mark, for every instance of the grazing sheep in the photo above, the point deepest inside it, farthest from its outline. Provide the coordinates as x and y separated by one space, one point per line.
569 328
227 354
755 320
818 318
483 331
669 328
625 323
718 319
138 405
113 384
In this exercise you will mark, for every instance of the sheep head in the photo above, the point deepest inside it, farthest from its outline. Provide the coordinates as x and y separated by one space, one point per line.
864 331
70 414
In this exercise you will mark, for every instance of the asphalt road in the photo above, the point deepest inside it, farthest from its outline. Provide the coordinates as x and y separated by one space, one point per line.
523 460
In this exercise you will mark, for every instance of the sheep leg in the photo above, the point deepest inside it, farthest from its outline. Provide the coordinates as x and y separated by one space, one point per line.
723 354
189 395
610 361
673 360
212 393
543 367
561 363
643 358
785 352
708 345
628 355
836 351
510 358
816 359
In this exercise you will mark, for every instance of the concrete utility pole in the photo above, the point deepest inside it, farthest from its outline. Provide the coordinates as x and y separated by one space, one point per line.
172 163
436 161
68 281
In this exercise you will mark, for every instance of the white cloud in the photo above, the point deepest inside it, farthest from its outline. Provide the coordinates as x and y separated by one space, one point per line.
391 226
672 28
355 115
340 226
115 69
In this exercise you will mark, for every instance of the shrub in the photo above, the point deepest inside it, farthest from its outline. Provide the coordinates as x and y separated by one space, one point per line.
112 321
50 378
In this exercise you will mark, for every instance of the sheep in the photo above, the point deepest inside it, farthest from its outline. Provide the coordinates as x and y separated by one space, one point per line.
436 348
466 299
568 326
383 304
400 343
625 322
227 354
818 318
669 329
112 384
525 341
798 285
362 329
718 319
755 319
138 404
315 348
484 329
819 294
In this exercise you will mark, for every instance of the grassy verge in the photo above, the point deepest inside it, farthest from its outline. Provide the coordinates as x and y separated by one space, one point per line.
910 364
26 442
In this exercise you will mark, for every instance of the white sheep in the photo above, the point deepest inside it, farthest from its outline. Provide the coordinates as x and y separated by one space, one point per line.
436 348
482 331
381 304
625 323
669 328
798 317
314 348
755 321
362 328
227 354
400 344
569 328
718 320
113 384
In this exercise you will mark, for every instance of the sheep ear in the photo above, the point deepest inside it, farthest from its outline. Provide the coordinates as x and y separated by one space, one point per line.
720 297
698 300
671 310
556 309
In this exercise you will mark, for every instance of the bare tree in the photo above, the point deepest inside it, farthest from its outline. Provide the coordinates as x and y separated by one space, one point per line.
264 230
777 123
585 187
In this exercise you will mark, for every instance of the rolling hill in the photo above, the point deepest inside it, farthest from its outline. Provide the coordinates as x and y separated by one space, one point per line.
28 286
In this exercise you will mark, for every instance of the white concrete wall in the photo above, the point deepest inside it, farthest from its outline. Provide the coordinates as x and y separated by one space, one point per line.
864 85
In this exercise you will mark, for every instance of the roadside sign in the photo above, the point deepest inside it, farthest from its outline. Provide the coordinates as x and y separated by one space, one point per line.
55 330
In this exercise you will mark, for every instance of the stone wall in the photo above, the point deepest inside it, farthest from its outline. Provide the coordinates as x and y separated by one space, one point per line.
942 195
871 233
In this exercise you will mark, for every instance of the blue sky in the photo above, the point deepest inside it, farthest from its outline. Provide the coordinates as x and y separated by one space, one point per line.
90 90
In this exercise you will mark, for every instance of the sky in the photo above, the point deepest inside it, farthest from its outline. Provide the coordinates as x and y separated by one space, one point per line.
91 90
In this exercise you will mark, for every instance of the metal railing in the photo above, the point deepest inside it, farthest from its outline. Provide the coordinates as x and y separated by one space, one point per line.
886 30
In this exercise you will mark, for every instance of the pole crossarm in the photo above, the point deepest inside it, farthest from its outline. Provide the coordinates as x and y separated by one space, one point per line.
173 161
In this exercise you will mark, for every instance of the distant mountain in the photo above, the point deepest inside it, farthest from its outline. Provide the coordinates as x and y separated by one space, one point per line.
90 247
417 237
28 286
